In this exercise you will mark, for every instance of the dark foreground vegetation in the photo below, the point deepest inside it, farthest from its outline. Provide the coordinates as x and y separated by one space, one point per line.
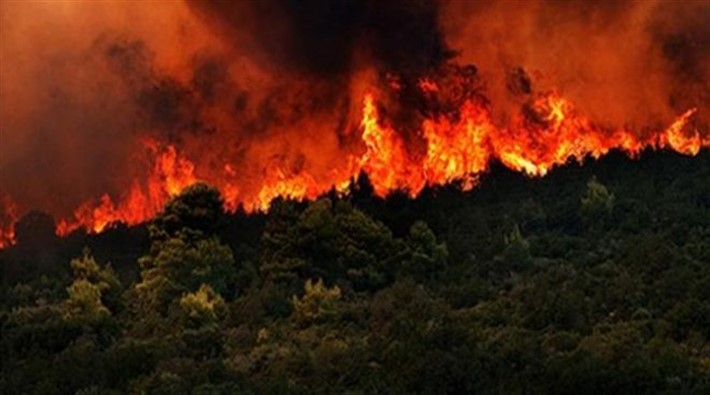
595 279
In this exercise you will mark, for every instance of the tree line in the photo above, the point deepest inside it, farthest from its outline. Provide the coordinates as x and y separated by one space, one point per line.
594 280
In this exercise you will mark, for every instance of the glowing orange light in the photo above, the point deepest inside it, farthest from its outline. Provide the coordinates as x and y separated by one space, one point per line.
458 147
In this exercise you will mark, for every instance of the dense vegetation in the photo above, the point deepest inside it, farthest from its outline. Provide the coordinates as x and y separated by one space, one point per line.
595 279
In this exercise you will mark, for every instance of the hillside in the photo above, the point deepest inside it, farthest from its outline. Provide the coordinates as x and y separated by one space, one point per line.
593 279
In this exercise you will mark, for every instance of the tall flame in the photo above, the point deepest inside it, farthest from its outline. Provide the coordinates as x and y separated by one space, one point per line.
171 174
458 147
7 221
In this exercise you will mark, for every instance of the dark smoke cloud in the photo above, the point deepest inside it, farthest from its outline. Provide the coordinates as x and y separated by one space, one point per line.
69 122
258 82
684 37
624 63
323 38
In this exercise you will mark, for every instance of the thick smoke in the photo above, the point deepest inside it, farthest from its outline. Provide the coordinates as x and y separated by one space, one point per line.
325 38
268 83
349 44
254 84
69 124
631 63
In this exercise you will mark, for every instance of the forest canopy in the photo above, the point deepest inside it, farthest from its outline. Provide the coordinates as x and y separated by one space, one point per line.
595 279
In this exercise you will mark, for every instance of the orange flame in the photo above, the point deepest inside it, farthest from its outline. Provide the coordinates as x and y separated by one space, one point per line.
386 161
674 138
8 216
171 174
458 147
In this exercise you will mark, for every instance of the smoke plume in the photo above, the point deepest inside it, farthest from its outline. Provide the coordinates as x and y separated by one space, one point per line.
636 63
246 89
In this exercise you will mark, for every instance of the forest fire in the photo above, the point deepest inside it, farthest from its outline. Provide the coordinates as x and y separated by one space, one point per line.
456 149
287 114
355 196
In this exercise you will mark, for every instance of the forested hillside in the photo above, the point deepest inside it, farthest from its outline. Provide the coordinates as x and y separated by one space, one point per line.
594 279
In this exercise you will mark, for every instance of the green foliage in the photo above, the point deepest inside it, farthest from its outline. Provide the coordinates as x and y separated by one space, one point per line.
318 303
331 242
177 266
196 212
95 290
597 199
428 256
85 299
202 307
516 255
39 291
520 286
185 253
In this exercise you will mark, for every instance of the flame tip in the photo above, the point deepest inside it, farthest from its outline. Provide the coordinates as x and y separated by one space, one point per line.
459 147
